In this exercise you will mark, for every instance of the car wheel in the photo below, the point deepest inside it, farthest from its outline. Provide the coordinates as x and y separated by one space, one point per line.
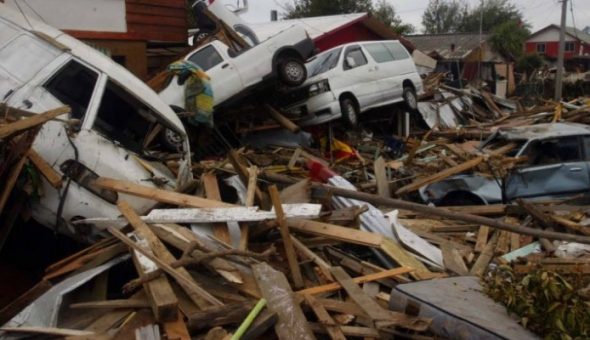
350 111
171 140
292 71
200 37
410 98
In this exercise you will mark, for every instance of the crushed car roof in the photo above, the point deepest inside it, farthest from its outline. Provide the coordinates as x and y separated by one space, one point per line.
548 130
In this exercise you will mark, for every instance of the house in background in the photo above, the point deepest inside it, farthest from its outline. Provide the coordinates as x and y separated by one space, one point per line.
468 59
545 42
135 33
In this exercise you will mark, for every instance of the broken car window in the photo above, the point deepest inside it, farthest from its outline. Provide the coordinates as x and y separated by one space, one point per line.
206 58
324 62
379 53
123 118
73 85
554 151
357 55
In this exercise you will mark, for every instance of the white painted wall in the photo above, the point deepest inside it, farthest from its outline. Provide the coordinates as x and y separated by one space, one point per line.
551 34
82 15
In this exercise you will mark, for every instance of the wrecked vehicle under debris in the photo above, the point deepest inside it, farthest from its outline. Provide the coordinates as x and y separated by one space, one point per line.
555 166
114 120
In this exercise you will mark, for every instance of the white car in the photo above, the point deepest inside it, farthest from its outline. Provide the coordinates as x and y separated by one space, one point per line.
229 14
42 68
353 78
233 74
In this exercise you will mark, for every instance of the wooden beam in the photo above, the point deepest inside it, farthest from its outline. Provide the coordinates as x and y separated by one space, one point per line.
282 120
453 260
159 195
177 330
46 169
336 232
324 318
331 287
320 262
383 189
112 304
439 176
220 230
197 294
286 236
30 122
48 331
16 306
276 290
481 264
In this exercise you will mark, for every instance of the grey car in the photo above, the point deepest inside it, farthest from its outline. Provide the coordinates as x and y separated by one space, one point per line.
558 157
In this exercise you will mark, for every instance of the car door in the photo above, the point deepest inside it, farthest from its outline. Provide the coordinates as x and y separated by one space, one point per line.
556 166
360 76
225 78
401 68
385 71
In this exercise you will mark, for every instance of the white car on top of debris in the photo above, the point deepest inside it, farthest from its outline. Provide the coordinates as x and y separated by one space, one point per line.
112 114
353 78
234 74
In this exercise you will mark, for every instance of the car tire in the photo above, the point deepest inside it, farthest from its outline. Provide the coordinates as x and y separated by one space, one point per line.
200 37
171 140
350 111
292 71
410 99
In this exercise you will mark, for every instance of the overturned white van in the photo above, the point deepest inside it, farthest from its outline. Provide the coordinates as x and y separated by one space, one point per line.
113 117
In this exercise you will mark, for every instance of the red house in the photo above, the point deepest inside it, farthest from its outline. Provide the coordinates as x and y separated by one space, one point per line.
546 42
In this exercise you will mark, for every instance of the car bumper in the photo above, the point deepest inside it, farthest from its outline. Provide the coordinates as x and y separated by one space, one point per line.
316 110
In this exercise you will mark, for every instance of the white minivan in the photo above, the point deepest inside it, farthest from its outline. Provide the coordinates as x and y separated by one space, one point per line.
42 68
350 79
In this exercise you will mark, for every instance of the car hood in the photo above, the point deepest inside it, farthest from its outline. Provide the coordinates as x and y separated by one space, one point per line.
488 189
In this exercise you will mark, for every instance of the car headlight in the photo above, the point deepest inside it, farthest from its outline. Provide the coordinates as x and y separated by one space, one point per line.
319 87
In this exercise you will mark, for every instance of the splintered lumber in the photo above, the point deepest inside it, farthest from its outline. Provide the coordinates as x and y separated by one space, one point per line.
381 177
48 331
447 214
331 231
439 176
394 250
378 314
45 168
242 171
331 287
159 195
220 230
320 262
276 290
30 122
485 257
324 318
16 306
197 294
112 304
282 120
286 236
219 315
453 260
351 331
176 330
482 239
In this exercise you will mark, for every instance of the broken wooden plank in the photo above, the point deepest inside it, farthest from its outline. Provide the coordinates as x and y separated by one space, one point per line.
112 304
336 232
439 176
320 262
481 264
358 280
282 120
220 229
349 331
48 331
16 306
286 236
45 169
177 330
219 315
482 238
383 189
32 121
324 318
159 195
276 290
453 260
299 192
197 294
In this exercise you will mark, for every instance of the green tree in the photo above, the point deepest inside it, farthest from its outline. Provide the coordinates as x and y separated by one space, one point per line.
385 12
508 38
312 8
443 16
495 13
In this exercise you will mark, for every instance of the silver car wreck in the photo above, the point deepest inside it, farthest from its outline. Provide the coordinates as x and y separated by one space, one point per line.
558 156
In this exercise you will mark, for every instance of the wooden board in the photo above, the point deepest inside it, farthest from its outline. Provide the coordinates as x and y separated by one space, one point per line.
324 318
381 178
453 260
336 232
15 307
45 169
220 230
279 296
30 122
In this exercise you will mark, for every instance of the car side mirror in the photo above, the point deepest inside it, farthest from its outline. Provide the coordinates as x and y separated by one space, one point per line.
350 62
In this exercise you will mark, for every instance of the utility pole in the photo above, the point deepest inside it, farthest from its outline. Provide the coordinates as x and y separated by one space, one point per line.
480 54
560 57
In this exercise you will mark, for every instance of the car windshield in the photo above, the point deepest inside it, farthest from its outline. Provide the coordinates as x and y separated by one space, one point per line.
324 62
500 143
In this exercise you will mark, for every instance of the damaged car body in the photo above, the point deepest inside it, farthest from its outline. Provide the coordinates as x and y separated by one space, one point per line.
557 156
109 132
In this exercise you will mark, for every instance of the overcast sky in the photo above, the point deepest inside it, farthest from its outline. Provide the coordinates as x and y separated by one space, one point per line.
539 13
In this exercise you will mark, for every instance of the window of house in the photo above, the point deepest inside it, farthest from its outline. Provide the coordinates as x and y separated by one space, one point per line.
379 52
541 48
570 46
206 58
399 52
356 54
554 151
123 118
73 85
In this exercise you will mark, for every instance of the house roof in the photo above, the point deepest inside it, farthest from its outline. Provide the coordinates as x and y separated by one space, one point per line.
571 31
449 45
